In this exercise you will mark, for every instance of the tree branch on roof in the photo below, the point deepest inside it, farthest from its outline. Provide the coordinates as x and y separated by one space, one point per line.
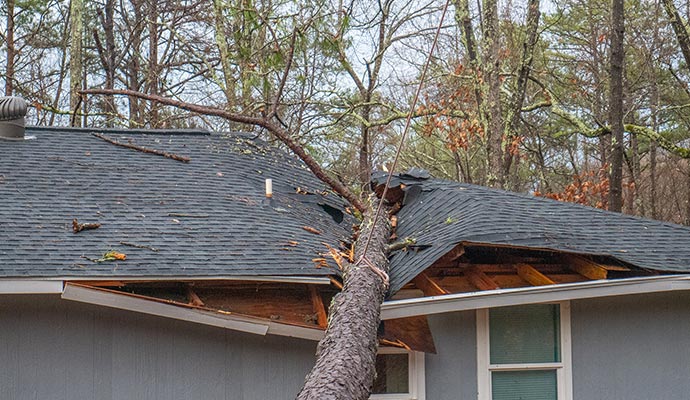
142 149
264 122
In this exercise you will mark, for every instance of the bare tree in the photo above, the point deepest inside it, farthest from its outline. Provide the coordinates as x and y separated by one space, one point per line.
616 105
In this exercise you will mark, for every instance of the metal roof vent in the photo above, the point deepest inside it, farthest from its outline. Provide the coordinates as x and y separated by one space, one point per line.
12 112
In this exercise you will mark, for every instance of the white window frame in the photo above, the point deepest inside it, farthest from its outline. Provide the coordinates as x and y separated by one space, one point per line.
416 377
564 376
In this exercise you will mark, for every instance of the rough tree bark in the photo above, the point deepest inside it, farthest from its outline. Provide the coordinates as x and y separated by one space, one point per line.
493 114
75 61
616 109
345 366
679 28
152 72
9 67
518 96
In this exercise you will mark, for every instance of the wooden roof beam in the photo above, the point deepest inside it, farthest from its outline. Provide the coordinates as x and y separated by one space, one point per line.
479 279
453 255
587 268
428 286
531 275
319 308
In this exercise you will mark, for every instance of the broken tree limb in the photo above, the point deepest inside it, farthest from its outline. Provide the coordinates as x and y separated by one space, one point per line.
276 130
139 246
142 149
402 244
77 227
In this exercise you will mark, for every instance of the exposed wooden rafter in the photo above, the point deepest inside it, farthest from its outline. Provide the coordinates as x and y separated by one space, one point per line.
479 279
451 256
531 275
319 308
428 286
193 298
587 268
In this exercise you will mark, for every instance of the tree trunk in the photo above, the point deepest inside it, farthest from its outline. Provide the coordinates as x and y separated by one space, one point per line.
152 75
9 71
679 28
464 20
75 63
518 98
364 145
134 65
616 108
492 113
109 28
224 53
346 356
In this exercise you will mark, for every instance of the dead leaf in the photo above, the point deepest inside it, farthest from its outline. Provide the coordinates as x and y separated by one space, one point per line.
311 230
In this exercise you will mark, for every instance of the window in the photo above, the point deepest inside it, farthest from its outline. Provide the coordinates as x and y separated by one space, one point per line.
399 375
523 352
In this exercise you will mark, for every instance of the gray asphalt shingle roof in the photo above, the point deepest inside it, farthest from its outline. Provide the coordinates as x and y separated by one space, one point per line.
443 214
206 218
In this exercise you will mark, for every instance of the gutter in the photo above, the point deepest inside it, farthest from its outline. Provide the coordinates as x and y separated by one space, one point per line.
532 295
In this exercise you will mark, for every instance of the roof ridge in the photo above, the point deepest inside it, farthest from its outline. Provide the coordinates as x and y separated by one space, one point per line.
453 185
134 131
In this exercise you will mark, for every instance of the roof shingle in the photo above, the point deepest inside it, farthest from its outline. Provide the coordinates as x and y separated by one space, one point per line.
443 214
205 218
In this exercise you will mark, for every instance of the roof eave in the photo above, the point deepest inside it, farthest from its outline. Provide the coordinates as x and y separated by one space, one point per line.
532 295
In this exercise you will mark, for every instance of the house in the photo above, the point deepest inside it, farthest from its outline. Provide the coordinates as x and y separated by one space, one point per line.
162 264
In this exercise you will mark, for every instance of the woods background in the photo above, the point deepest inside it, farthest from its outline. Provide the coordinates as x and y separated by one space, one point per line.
521 95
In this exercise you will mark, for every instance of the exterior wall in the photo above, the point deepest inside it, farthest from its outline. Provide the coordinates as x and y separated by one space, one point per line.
62 350
452 372
623 348
632 347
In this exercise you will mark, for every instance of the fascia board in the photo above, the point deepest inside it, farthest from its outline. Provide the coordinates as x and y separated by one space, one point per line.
531 295
125 302
26 286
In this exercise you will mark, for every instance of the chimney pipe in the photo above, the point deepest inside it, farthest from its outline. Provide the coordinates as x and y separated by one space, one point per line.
12 113
269 188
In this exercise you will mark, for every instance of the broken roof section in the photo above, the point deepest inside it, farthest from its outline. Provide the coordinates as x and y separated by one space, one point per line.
440 215
205 218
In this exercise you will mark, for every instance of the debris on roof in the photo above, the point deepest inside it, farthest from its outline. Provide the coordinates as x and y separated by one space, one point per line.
206 218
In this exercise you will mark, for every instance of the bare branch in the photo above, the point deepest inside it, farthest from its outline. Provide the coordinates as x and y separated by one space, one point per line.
276 130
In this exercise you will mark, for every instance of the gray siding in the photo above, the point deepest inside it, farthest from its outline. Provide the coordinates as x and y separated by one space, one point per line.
624 348
62 350
451 373
632 347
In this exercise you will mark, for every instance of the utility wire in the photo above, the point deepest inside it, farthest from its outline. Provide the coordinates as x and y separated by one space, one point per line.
408 120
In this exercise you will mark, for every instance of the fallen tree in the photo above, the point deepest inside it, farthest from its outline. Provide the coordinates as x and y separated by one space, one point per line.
345 364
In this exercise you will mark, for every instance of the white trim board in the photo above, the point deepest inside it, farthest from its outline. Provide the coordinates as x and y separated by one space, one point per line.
25 286
532 295
228 321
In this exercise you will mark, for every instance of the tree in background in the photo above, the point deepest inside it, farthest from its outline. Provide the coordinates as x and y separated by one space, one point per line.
518 99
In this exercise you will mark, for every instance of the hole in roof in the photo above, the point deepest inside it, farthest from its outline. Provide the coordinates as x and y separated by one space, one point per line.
336 214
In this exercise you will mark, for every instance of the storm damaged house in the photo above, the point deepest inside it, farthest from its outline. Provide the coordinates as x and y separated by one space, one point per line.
162 264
